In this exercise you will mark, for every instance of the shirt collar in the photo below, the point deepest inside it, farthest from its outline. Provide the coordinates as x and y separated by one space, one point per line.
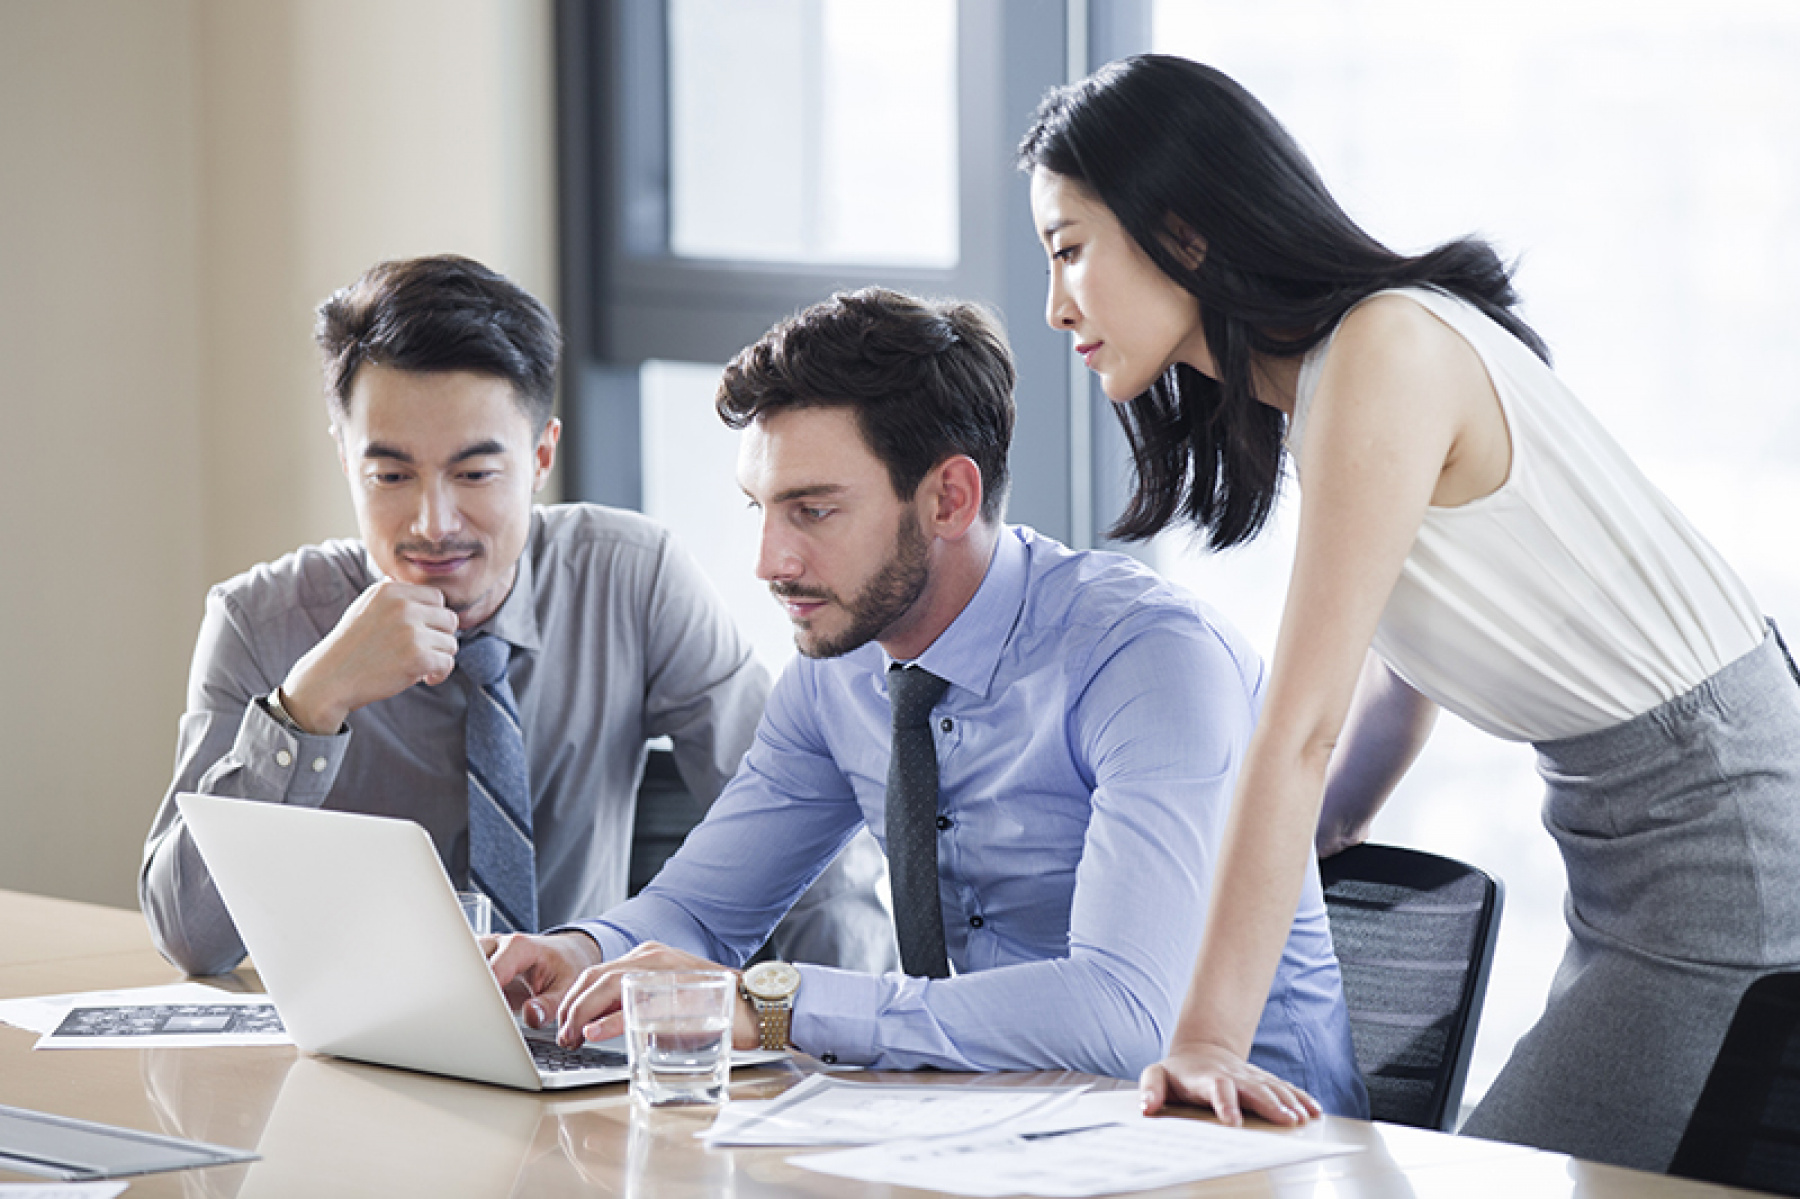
967 654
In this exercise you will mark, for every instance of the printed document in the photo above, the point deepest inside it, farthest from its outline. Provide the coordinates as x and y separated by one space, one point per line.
825 1110
182 1015
41 1013
1141 1154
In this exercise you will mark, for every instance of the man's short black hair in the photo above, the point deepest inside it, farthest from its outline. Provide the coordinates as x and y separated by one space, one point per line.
443 313
927 379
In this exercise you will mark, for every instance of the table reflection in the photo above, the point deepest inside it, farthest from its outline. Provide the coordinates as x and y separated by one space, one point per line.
192 1100
312 1120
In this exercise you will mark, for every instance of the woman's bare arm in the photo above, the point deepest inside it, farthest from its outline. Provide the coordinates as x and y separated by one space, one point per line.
1387 726
1391 425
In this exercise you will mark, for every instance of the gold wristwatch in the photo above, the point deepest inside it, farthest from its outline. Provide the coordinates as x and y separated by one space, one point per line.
770 988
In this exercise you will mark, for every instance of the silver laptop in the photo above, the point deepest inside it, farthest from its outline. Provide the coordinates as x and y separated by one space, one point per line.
356 932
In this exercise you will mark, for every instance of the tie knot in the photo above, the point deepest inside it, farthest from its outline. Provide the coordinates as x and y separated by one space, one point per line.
483 658
913 693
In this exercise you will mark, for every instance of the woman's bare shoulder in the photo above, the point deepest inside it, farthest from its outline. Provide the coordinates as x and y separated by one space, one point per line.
1407 368
1393 343
1394 325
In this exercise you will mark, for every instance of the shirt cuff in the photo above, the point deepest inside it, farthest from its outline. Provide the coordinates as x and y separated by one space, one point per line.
298 767
613 943
834 1014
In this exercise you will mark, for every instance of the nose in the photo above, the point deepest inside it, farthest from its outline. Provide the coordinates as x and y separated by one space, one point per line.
775 559
438 517
1059 307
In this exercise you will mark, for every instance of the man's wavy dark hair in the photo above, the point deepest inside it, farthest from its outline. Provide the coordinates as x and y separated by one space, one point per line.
927 379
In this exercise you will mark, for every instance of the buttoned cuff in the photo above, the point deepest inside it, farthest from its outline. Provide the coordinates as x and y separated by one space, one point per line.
276 761
834 1014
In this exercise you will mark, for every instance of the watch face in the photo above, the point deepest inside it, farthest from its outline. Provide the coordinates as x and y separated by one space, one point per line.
772 980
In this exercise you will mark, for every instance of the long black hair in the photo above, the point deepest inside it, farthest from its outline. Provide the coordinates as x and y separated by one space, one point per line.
1171 148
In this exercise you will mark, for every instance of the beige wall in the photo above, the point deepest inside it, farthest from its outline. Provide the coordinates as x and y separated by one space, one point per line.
181 181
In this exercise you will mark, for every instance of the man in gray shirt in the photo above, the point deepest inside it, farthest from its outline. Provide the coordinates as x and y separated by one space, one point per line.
329 677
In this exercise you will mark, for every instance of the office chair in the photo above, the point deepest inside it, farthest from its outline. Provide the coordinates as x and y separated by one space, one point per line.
666 812
1415 938
1745 1131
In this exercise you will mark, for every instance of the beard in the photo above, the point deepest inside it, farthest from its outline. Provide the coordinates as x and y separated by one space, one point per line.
886 597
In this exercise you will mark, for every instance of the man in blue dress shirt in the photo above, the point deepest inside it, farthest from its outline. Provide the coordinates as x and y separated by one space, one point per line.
1087 742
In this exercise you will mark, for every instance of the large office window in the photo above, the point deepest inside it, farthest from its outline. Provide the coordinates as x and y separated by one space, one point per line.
726 162
814 131
1638 160
801 132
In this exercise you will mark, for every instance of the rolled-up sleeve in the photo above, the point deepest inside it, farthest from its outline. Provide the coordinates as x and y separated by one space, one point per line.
228 745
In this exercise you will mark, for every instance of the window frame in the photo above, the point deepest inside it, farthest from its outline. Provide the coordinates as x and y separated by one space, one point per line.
627 299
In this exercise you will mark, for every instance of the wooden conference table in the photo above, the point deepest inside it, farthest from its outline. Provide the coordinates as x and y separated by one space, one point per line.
327 1127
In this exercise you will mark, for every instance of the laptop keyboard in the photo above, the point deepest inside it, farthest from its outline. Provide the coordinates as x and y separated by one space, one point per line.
552 1058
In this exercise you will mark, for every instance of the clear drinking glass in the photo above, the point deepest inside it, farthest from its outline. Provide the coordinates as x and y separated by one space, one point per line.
678 1025
478 910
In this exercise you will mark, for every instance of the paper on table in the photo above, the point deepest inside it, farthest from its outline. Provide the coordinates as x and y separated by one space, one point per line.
1134 1156
228 1019
832 1111
1084 1109
61 1190
1089 1109
41 1013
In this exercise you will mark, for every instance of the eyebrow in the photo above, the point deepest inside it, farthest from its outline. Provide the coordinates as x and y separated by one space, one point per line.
808 491
381 449
1055 227
480 449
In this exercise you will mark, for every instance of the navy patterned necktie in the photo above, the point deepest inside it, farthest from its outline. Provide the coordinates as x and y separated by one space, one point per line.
502 862
912 823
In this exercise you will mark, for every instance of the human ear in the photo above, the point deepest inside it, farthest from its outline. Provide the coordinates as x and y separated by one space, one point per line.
544 454
953 491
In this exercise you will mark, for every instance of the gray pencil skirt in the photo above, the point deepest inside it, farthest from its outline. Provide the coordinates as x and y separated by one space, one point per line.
1680 832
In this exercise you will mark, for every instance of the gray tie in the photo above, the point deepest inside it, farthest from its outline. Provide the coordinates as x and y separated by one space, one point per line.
502 863
912 828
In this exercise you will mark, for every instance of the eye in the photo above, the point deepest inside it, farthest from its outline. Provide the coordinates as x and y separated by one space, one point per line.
1067 254
813 514
386 478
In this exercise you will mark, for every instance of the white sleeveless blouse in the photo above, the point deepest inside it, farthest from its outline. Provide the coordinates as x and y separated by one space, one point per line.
1573 598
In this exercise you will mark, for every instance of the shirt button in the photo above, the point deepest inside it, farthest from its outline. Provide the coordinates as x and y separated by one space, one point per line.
947 724
283 758
976 922
944 822
830 1059
319 765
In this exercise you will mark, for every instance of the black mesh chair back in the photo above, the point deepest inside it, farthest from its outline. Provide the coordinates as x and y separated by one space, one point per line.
1745 1131
1415 938
666 812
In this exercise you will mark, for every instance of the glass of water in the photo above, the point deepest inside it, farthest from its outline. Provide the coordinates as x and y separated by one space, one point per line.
678 1024
478 910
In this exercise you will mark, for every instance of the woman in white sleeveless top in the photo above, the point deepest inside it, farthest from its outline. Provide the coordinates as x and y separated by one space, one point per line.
1465 519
